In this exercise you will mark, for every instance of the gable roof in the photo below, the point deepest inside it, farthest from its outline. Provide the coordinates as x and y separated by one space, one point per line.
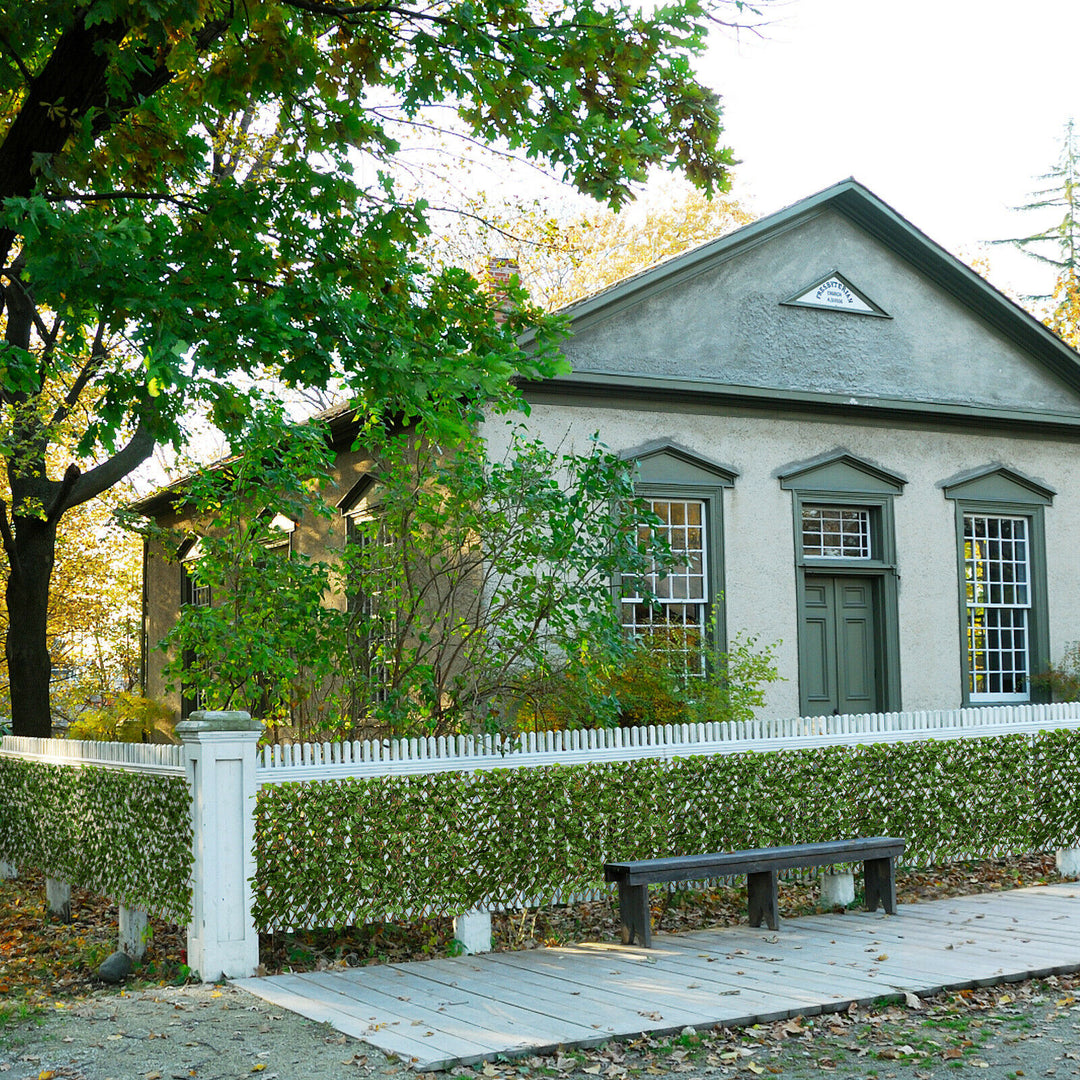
881 222
341 425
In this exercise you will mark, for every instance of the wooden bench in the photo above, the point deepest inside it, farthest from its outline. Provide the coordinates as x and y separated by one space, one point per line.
761 865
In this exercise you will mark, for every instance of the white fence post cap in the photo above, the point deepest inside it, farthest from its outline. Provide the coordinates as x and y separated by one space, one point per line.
207 720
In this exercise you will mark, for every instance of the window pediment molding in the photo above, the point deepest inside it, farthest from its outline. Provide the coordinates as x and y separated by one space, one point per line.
666 462
356 494
997 483
841 472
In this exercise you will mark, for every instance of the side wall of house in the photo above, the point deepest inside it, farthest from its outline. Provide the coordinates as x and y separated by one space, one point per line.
758 526
320 537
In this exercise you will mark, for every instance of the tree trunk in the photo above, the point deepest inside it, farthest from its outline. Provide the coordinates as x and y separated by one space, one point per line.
27 650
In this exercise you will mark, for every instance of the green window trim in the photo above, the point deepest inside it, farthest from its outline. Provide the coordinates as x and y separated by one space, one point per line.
996 491
667 470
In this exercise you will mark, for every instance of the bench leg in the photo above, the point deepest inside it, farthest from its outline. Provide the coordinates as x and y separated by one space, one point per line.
635 914
879 878
763 897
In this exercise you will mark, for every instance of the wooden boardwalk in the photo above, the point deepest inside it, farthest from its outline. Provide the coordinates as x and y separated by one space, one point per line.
439 1013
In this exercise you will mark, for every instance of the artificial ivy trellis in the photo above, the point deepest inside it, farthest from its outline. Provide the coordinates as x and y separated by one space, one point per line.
126 835
334 853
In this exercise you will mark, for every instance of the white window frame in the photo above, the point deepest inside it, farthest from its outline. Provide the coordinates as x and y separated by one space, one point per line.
694 666
995 597
842 515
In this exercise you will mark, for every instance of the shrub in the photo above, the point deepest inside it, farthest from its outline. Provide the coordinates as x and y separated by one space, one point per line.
1063 679
647 685
125 718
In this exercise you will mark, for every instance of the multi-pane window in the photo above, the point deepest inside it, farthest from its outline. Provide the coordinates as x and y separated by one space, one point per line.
676 621
375 628
997 576
196 594
836 532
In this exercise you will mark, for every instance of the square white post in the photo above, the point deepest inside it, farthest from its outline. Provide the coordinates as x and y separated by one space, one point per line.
58 899
133 932
220 750
1068 862
473 930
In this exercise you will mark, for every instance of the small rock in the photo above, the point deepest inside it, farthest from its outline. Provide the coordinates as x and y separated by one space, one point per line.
689 1030
116 968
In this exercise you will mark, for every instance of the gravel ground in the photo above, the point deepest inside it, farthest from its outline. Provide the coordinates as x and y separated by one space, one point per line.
199 1031
212 1033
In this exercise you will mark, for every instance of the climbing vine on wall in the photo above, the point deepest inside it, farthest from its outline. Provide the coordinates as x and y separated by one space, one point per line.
333 853
123 834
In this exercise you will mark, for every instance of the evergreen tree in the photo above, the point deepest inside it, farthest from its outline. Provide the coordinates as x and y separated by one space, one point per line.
1058 244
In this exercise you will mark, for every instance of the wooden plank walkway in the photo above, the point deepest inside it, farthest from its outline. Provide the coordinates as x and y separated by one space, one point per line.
438 1013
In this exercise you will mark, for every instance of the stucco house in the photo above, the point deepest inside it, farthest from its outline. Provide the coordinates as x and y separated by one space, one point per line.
866 451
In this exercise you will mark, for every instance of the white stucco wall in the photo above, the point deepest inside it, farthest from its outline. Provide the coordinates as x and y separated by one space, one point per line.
759 550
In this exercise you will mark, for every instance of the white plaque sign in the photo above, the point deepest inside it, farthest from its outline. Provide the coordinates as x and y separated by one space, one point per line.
836 294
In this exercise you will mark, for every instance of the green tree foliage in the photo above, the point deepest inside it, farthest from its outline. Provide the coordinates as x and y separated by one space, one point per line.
472 584
647 684
267 641
196 195
477 583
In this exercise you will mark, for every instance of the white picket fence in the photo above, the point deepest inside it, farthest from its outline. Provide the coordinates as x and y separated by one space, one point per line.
338 760
162 760
224 770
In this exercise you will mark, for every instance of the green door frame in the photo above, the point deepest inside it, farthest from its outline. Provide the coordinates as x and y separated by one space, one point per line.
841 479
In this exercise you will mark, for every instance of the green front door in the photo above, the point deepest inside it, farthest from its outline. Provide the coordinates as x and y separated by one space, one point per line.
839 649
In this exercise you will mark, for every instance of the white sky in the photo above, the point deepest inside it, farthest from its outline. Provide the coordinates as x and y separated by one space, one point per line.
947 110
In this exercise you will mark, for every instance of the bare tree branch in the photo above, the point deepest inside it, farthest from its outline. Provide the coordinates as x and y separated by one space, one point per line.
59 503
104 196
16 59
103 476
8 537
98 355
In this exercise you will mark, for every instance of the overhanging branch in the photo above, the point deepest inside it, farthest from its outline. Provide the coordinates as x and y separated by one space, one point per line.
102 477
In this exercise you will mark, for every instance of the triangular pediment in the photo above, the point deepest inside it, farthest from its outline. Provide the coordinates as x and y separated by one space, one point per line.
842 473
352 498
997 484
666 462
834 292
755 316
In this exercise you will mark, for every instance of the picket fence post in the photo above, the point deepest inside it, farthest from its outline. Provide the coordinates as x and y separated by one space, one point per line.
220 755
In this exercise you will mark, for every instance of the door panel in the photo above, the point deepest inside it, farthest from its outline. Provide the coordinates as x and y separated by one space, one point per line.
819 664
839 650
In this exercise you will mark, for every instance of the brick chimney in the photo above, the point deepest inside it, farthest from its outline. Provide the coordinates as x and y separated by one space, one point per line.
500 270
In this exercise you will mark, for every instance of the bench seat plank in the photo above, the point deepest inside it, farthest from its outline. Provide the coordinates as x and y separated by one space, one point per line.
753 861
761 866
